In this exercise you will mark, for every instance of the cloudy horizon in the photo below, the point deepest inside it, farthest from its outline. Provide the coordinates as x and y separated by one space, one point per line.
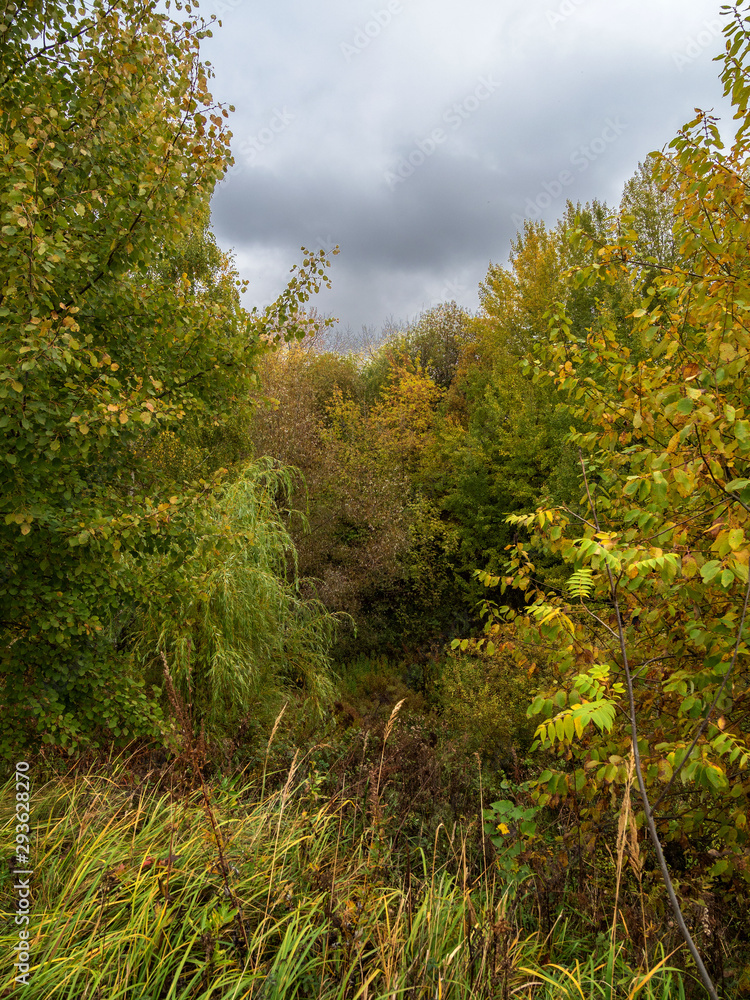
418 137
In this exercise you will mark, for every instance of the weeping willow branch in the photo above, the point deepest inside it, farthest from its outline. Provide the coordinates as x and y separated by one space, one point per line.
237 629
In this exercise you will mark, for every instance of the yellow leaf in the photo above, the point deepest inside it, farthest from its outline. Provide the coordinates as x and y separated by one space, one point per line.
25 529
17 386
674 441
689 566
569 727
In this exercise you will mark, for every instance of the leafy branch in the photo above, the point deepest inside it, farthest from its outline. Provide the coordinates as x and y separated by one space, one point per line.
655 840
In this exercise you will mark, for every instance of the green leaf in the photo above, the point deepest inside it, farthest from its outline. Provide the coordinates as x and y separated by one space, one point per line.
736 538
710 570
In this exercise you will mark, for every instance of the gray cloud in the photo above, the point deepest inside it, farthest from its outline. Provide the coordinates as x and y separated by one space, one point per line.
417 135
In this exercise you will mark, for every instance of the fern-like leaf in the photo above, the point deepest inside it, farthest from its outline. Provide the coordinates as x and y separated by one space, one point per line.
581 583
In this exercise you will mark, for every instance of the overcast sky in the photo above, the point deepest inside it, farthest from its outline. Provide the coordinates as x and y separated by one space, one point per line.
417 134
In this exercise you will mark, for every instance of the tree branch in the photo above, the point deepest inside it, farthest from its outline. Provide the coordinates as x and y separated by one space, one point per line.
679 918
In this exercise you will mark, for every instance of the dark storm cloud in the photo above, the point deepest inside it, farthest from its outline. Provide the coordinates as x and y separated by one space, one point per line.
421 222
417 136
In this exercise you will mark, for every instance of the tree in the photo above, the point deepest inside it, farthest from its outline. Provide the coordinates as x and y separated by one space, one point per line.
501 446
302 390
650 638
111 147
648 204
373 544
435 341
228 611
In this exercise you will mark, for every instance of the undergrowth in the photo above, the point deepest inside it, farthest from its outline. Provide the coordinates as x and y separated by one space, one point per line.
152 882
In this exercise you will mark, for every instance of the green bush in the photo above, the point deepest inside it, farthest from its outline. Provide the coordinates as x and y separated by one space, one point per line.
483 700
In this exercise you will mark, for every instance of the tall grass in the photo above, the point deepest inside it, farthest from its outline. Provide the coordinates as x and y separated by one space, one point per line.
235 892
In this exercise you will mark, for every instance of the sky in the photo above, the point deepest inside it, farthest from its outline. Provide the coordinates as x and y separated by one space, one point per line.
417 135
